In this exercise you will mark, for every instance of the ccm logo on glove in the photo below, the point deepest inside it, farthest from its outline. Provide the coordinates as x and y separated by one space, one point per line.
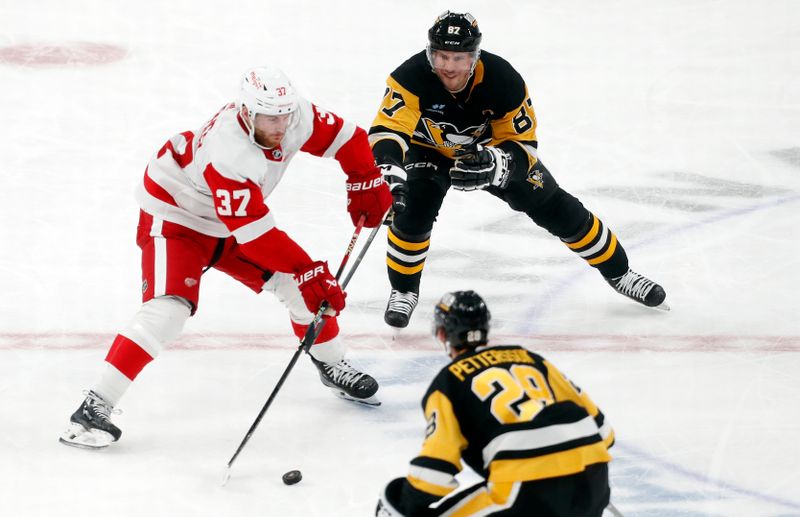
365 185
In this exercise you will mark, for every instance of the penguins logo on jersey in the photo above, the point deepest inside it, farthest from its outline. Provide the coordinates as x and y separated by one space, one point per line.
535 178
447 135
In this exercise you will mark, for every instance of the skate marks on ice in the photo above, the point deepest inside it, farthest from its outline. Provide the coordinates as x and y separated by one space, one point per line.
313 430
722 211
788 155
691 192
648 486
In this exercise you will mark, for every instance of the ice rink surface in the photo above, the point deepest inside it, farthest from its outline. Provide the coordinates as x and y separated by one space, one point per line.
677 122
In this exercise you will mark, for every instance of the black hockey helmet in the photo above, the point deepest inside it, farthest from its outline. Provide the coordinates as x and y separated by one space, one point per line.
457 32
461 320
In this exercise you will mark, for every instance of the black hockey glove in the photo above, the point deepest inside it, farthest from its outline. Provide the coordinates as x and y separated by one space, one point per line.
479 167
396 178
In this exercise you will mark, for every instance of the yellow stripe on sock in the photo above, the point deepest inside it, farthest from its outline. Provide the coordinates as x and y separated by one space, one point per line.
605 256
586 238
408 246
404 269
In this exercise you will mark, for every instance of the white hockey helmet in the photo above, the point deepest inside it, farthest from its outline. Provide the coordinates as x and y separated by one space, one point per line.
267 90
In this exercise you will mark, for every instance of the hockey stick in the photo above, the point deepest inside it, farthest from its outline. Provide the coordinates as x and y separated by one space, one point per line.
613 509
314 328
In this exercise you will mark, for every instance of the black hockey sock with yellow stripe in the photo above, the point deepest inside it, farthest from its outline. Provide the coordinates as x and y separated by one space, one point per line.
405 258
599 247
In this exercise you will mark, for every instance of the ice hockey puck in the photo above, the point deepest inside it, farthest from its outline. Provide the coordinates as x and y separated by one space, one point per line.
292 477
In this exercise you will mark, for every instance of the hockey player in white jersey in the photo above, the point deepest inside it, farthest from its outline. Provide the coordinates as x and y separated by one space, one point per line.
203 205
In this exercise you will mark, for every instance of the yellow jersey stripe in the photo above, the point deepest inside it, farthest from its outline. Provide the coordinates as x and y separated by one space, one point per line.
429 488
556 464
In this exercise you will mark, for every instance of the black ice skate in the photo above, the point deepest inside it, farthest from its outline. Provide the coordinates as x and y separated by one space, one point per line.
641 289
347 382
90 426
399 309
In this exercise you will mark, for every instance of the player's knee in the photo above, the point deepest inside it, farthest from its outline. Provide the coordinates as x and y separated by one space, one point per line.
562 214
159 321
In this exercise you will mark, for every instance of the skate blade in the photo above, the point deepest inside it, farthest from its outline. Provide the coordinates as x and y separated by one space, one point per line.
82 438
662 307
371 401
396 332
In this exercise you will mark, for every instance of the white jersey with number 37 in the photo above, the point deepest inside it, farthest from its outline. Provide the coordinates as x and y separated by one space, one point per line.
215 180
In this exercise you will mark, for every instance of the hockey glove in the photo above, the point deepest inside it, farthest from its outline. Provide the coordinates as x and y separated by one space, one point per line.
317 285
396 177
480 167
368 195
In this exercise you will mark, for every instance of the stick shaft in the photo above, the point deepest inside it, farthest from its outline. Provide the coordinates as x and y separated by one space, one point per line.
314 328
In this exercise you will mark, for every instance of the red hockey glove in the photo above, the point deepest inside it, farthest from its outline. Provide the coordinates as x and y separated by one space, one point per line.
317 285
368 195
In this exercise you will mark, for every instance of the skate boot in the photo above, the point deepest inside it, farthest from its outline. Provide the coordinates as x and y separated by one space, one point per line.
641 289
399 308
90 426
347 382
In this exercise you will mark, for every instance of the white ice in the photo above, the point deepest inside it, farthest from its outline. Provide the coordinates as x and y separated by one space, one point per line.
677 122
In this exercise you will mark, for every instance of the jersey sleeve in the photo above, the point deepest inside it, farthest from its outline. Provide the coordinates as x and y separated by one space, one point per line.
514 127
393 127
240 205
565 389
433 471
332 136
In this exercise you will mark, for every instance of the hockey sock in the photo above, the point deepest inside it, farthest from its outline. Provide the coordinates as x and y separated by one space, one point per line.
405 258
328 352
599 247
329 331
158 322
112 385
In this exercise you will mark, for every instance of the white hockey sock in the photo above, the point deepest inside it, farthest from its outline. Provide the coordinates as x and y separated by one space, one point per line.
328 352
112 385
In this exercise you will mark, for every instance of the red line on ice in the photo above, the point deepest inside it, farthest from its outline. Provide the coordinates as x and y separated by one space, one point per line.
423 342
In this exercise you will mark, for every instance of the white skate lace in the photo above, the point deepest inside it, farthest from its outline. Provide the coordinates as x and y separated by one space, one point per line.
401 302
343 374
634 285
100 407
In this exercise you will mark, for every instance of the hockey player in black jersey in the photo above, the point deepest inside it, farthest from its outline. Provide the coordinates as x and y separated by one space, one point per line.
455 115
539 442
